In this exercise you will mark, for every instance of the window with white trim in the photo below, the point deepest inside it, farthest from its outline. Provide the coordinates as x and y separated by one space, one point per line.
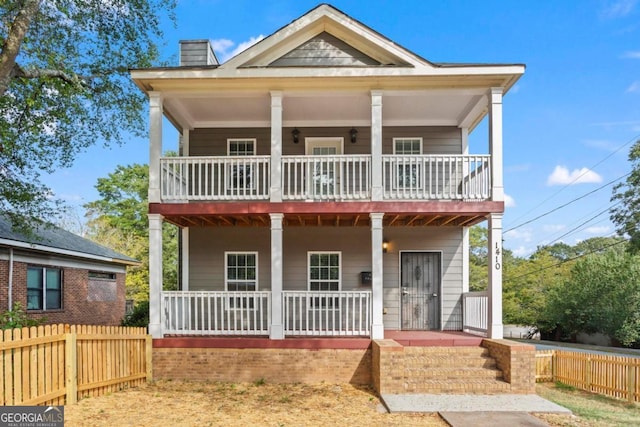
409 172
324 275
240 171
241 276
44 288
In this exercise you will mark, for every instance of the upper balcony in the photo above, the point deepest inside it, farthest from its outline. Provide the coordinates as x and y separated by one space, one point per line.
326 178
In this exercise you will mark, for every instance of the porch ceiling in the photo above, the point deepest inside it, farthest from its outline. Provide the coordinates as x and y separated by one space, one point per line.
324 220
435 107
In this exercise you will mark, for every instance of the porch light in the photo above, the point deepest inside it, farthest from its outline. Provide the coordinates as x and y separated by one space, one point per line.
354 134
385 246
295 133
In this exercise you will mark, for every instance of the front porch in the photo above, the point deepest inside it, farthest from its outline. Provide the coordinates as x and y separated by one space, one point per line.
304 314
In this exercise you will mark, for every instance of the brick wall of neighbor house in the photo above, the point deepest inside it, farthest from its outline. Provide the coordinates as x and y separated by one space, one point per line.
516 361
77 307
275 365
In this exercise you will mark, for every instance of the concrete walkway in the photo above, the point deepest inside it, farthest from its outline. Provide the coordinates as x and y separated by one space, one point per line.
478 410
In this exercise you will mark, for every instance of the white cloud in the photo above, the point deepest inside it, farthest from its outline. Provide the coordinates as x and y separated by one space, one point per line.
522 251
523 234
601 144
553 228
523 167
632 54
509 201
562 176
634 87
619 8
603 229
224 48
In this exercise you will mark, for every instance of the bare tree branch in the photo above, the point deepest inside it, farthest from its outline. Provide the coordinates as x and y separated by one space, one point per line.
36 73
11 46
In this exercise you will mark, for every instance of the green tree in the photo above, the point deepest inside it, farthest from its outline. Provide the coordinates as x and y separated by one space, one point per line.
626 213
119 220
478 267
64 85
602 295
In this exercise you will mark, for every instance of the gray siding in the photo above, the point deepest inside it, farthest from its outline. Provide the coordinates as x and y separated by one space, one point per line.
324 50
207 247
196 52
436 139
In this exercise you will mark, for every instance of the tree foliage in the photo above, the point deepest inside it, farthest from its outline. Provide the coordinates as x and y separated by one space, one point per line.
602 294
626 213
64 86
119 220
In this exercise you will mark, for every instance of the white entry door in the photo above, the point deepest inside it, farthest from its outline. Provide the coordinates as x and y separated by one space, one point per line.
323 169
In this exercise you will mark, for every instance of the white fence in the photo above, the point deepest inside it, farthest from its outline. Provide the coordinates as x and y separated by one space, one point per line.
346 313
436 177
216 313
214 178
326 177
475 307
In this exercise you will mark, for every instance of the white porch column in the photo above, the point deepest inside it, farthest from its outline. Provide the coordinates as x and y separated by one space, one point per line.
495 143
376 146
184 258
277 329
495 276
276 146
155 275
377 327
155 145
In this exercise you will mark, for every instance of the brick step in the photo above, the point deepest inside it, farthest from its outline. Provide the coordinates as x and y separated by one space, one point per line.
446 352
459 386
453 373
450 362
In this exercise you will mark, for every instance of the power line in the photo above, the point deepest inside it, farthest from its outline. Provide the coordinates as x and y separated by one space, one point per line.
568 203
633 139
583 223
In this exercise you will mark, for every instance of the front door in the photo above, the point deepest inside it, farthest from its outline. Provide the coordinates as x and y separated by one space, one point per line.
420 279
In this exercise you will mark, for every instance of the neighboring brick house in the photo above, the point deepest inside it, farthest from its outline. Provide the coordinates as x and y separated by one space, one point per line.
61 277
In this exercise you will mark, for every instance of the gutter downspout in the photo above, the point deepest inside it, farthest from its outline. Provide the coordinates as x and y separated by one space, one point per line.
10 296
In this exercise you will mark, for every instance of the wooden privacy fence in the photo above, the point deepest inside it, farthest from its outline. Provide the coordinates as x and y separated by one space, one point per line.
59 364
614 376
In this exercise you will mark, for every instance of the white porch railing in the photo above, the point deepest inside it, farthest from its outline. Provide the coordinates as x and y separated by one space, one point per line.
326 177
216 313
439 177
214 178
346 313
475 306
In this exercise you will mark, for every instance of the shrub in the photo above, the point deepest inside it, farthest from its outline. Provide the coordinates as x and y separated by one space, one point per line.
17 318
139 316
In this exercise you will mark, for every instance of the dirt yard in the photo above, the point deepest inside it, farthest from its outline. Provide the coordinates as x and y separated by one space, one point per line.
179 403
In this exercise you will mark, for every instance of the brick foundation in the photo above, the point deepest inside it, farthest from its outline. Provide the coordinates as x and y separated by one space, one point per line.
275 365
517 362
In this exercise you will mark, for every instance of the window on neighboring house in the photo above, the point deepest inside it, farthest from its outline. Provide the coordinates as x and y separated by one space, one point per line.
409 172
241 275
324 275
44 288
240 171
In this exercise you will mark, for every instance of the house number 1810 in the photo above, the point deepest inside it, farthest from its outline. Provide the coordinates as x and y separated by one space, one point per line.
497 266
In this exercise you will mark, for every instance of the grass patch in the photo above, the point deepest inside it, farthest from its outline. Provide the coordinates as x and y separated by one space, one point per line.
591 409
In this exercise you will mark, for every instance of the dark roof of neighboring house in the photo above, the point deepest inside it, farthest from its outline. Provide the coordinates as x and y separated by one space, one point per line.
53 239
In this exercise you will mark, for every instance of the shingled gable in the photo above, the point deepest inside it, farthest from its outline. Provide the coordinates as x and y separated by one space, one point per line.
321 23
53 239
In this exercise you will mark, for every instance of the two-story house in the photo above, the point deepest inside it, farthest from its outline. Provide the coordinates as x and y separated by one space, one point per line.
324 186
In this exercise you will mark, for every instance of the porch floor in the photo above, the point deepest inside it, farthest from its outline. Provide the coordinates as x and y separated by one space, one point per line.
405 338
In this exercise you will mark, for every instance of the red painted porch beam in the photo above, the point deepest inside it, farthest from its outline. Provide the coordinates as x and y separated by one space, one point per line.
334 208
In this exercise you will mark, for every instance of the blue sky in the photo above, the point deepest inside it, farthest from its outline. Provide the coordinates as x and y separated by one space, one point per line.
568 123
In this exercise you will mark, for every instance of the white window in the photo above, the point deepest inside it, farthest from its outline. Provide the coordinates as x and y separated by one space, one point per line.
409 170
325 178
44 288
241 276
324 275
240 170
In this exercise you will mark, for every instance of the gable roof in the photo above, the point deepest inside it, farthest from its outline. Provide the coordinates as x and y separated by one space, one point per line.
55 240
